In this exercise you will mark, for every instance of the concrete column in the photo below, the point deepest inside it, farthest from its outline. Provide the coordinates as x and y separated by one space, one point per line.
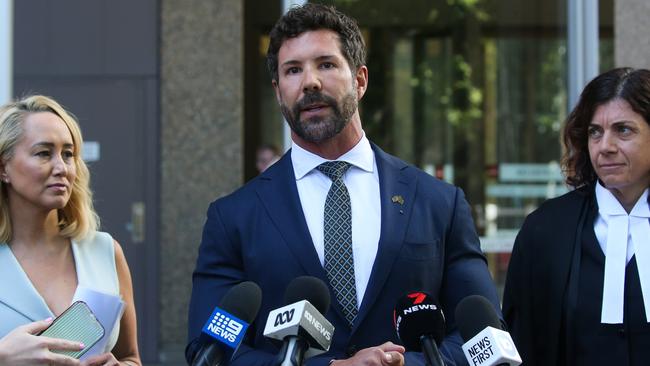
582 27
631 41
201 140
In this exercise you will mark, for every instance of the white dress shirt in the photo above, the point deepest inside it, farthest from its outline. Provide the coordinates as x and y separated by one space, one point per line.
362 182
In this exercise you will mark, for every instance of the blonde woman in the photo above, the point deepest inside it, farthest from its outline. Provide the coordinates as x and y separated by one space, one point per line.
49 243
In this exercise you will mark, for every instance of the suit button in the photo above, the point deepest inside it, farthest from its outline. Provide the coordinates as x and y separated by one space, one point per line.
621 333
352 349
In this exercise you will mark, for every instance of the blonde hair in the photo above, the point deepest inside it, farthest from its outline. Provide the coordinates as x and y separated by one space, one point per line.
78 218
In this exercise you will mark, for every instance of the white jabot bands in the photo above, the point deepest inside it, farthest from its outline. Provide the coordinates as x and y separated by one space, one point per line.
624 233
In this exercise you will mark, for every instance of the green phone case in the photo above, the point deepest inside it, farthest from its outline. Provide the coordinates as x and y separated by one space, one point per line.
77 323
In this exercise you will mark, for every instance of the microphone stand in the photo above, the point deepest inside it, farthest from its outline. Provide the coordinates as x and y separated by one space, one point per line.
292 351
430 351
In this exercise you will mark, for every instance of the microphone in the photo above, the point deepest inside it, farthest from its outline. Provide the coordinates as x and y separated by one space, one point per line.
486 343
226 327
301 325
420 325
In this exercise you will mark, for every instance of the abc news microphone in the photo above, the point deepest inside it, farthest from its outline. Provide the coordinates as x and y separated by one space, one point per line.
486 344
301 325
226 327
420 325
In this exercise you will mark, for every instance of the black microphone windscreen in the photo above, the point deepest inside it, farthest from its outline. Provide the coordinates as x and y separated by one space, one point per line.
473 314
416 314
311 289
243 301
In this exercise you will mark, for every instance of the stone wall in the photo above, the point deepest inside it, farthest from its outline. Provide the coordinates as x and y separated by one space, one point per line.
201 140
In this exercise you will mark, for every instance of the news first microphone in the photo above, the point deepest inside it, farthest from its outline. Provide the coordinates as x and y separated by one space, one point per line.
226 327
486 344
301 325
420 325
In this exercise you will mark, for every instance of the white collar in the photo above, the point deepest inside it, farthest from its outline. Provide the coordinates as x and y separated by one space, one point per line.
360 156
608 204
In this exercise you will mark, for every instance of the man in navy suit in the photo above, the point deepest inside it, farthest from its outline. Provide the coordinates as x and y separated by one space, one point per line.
409 231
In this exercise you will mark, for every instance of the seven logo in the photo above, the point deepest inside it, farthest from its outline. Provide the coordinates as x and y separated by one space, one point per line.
417 296
284 317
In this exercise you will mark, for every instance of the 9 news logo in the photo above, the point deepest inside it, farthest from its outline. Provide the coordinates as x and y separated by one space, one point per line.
225 328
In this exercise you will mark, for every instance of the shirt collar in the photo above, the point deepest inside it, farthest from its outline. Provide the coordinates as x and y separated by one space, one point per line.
609 205
360 156
642 206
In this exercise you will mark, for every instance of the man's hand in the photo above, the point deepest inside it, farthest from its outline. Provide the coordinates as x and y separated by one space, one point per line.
22 347
388 354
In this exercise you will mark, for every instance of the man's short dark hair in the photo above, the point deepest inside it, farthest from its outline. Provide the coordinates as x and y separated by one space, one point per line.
311 17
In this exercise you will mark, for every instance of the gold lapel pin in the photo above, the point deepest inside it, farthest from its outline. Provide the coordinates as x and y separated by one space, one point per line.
398 199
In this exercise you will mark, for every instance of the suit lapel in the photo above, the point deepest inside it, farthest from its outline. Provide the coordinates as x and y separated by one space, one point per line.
279 194
17 292
397 192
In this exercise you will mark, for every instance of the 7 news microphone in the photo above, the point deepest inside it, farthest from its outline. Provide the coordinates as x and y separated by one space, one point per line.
301 325
486 343
226 327
420 325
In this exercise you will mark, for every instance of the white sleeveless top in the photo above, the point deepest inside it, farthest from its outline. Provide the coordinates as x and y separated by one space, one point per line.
20 303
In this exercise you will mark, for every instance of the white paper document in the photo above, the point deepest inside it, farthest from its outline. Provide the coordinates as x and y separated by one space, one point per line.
108 311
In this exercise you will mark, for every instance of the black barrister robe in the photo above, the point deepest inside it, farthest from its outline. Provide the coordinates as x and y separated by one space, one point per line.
553 291
541 287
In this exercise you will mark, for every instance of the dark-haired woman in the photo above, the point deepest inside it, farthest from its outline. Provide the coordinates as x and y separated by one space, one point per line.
578 285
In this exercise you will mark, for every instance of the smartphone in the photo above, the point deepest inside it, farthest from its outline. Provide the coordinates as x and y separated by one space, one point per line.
77 323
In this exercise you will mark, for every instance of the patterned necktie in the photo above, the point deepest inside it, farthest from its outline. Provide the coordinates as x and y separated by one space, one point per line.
339 262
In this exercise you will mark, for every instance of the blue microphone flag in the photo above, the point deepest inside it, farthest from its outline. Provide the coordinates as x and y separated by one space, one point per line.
225 327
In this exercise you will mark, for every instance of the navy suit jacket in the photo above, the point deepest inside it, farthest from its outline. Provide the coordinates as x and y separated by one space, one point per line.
259 233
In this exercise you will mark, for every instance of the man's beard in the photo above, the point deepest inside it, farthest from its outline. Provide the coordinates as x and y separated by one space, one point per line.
317 129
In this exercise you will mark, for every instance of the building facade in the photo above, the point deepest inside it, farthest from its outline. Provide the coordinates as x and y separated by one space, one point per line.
173 99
